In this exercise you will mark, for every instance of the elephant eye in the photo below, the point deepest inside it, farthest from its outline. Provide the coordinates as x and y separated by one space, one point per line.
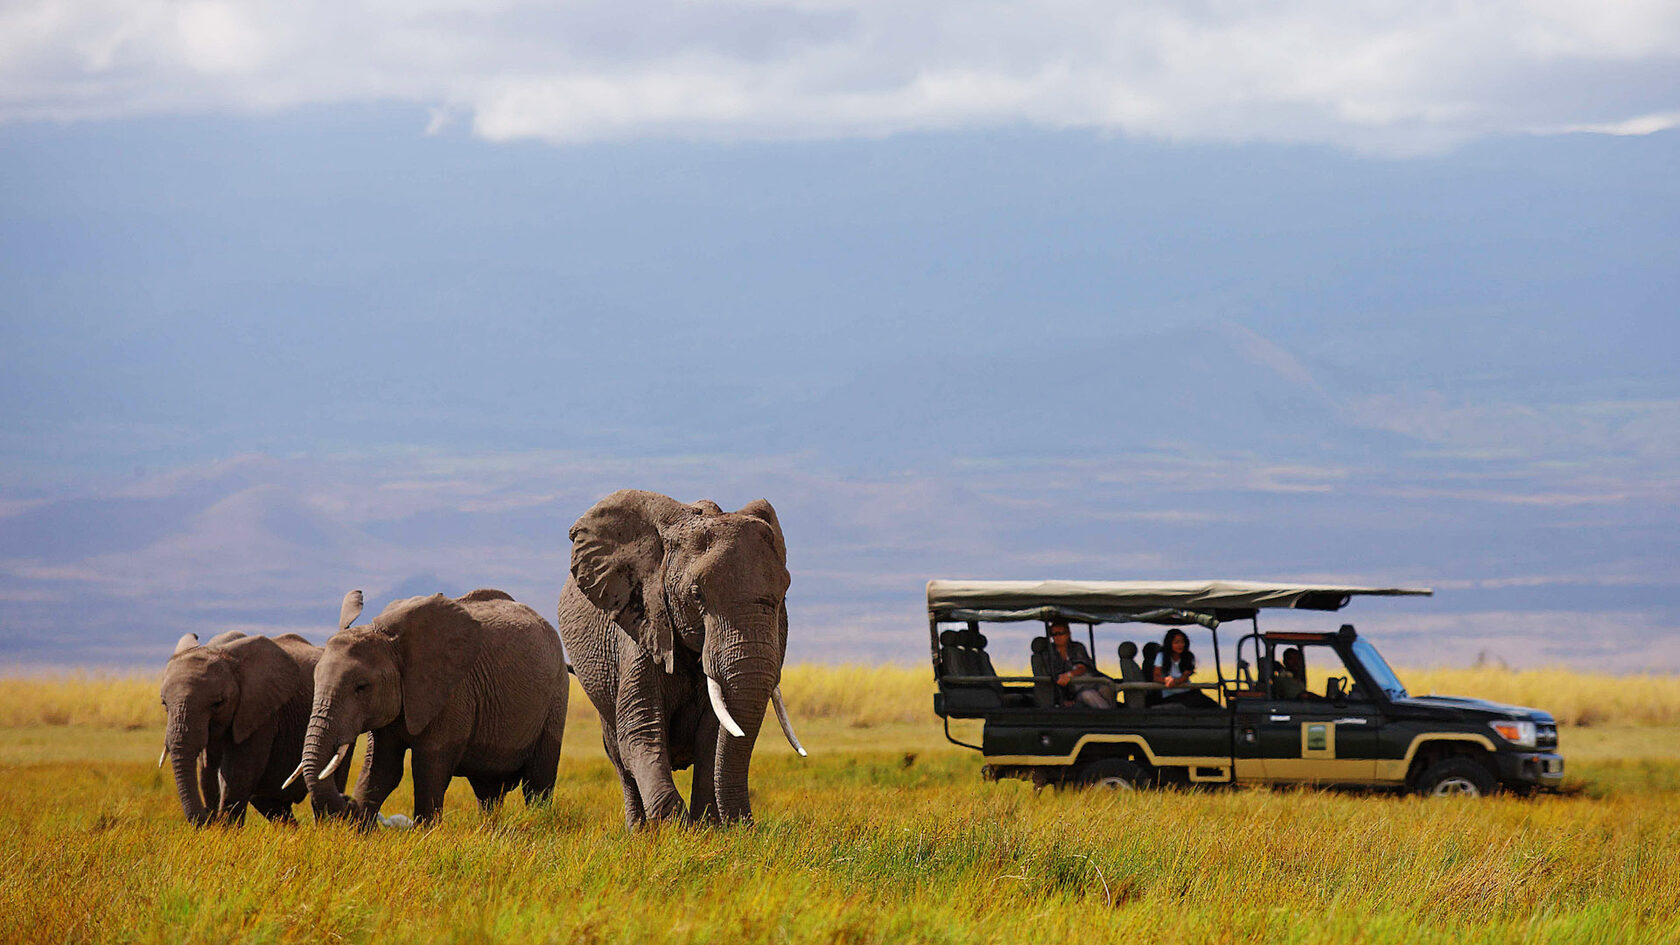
361 687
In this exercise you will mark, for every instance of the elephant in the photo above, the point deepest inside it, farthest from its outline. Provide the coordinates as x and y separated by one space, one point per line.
474 686
675 617
240 704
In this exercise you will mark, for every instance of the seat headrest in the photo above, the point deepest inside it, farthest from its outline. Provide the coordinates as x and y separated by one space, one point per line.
948 638
1040 644
977 640
1128 650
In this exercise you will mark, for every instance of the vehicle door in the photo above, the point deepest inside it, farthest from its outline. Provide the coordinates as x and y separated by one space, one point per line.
1327 734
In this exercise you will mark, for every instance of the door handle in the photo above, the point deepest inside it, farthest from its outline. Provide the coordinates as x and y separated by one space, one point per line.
1280 718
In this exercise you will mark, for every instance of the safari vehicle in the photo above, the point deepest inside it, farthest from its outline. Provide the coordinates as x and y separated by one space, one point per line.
1361 728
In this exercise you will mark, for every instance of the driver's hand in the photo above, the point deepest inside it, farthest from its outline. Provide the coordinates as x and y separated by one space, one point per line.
1062 680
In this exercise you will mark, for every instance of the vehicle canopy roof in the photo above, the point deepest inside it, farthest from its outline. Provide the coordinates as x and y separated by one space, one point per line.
1160 602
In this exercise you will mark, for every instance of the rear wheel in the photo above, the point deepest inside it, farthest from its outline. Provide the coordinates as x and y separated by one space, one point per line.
1113 774
1456 777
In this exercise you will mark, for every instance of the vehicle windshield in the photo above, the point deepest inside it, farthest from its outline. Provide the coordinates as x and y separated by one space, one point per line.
1378 668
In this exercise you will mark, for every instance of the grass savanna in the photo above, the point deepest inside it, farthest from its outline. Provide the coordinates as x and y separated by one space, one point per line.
886 832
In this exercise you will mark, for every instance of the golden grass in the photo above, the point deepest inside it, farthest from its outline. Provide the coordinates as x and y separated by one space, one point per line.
853 846
129 701
886 833
1571 697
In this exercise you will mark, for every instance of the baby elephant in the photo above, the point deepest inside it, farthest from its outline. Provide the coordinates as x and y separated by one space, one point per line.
241 704
474 687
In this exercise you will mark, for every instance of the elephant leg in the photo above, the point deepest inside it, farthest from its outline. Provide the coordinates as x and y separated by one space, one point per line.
488 789
634 816
382 771
642 734
536 779
432 766
275 809
702 800
241 767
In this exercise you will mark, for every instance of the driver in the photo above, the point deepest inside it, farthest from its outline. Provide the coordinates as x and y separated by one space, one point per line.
1289 681
1067 659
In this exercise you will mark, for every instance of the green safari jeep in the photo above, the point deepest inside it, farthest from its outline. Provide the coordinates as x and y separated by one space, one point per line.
1262 724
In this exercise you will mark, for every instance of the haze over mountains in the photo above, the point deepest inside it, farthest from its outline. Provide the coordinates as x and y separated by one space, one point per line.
249 365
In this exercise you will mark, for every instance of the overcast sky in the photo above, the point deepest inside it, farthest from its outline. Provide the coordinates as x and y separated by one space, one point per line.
302 297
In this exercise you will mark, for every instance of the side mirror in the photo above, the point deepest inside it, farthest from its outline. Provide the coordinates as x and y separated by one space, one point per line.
1333 690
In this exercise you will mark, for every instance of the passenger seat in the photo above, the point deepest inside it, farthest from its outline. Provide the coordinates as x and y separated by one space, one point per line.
1131 672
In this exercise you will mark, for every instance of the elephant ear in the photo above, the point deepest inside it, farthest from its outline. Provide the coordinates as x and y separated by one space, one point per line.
618 561
349 610
267 677
762 510
187 642
437 641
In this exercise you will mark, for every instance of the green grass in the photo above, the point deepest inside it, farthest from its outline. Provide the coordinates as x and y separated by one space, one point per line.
886 833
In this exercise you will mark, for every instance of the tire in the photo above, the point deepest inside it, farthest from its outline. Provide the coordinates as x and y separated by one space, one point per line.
1456 777
1112 774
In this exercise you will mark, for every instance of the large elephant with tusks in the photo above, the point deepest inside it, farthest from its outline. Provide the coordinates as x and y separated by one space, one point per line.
675 620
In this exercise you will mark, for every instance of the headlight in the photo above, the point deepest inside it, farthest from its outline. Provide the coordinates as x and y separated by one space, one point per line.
1520 734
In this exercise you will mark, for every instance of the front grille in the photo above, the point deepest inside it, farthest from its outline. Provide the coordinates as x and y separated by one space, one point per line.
1545 736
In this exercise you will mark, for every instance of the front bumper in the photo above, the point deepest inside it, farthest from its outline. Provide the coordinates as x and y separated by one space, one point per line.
1530 769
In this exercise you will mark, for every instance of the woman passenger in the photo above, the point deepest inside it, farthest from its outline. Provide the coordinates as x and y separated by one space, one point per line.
1175 665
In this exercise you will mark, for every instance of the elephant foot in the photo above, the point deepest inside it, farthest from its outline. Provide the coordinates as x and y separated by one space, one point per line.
706 817
362 814
672 809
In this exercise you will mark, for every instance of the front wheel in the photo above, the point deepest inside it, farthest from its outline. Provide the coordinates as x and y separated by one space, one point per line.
1113 774
1456 777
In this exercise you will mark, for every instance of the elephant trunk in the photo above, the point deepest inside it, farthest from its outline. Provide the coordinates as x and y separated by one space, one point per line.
183 746
746 667
320 747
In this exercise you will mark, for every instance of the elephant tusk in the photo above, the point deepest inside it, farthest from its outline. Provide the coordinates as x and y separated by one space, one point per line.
163 757
715 690
295 774
333 764
782 717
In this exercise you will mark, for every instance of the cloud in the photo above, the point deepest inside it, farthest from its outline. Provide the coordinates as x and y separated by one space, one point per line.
1387 76
1641 125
